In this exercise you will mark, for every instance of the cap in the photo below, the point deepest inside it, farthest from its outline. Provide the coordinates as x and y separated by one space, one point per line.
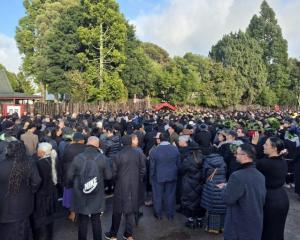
78 136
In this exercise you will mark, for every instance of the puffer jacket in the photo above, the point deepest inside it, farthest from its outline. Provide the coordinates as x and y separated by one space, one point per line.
192 182
112 145
212 198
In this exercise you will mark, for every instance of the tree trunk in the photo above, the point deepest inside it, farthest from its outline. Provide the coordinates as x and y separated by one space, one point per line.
101 56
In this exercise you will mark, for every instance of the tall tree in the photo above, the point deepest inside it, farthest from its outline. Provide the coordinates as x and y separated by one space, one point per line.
104 37
266 30
139 73
33 34
244 53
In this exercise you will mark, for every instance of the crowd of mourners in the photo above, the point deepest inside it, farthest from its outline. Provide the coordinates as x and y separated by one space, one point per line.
227 172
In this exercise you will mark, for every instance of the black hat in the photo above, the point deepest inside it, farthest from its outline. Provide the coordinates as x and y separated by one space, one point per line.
78 136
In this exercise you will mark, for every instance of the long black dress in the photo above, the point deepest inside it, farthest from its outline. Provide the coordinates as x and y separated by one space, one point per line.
277 203
45 202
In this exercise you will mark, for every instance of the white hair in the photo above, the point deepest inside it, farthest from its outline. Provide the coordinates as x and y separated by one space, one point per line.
49 152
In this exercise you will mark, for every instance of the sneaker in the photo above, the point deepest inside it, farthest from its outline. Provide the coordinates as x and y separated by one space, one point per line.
126 236
149 203
110 236
190 224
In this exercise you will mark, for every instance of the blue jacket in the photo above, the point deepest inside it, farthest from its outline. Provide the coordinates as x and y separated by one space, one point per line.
164 163
245 197
212 196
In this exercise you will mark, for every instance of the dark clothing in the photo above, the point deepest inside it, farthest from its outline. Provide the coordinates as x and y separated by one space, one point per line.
44 233
277 203
84 203
297 172
227 151
45 197
129 170
83 221
192 184
70 152
112 145
164 165
149 141
244 196
19 230
116 220
163 190
17 207
203 138
212 197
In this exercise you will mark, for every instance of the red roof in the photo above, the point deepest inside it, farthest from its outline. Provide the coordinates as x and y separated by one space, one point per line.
164 105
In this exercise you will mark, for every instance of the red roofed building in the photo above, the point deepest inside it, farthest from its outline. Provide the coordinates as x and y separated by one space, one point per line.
163 106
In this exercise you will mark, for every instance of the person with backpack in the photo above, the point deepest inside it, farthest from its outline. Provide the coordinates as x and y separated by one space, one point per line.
86 175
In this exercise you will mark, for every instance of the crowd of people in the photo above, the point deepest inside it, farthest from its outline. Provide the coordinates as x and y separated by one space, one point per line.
224 171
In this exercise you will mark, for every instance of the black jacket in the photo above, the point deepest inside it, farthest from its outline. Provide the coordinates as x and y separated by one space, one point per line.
70 152
203 138
192 182
83 203
45 198
17 207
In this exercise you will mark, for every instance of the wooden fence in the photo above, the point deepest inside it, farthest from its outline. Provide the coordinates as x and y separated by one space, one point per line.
51 108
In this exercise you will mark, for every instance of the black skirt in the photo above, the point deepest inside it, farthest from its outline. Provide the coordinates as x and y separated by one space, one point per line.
20 230
275 213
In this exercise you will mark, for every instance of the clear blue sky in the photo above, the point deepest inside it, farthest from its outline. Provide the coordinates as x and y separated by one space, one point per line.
12 10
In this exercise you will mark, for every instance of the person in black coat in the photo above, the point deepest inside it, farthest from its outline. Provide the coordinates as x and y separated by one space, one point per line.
46 196
76 147
19 180
129 170
203 138
274 168
93 203
192 184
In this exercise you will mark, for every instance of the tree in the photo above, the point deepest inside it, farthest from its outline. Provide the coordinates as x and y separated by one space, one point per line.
32 36
104 37
293 91
218 85
139 73
266 30
243 53
156 53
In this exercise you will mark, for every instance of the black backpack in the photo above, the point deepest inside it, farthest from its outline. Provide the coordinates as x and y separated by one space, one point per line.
90 176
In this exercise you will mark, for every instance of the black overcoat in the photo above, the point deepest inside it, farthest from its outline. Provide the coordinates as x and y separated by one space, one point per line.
129 170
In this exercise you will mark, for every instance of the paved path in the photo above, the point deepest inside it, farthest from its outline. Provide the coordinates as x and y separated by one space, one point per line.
151 229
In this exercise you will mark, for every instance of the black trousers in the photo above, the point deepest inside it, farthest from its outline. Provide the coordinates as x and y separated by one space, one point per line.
83 221
44 233
116 220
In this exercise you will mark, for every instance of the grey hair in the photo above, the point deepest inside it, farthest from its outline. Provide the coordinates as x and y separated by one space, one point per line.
49 152
92 138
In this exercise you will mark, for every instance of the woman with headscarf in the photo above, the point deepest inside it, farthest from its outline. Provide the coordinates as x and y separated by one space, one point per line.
19 179
46 196
276 208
